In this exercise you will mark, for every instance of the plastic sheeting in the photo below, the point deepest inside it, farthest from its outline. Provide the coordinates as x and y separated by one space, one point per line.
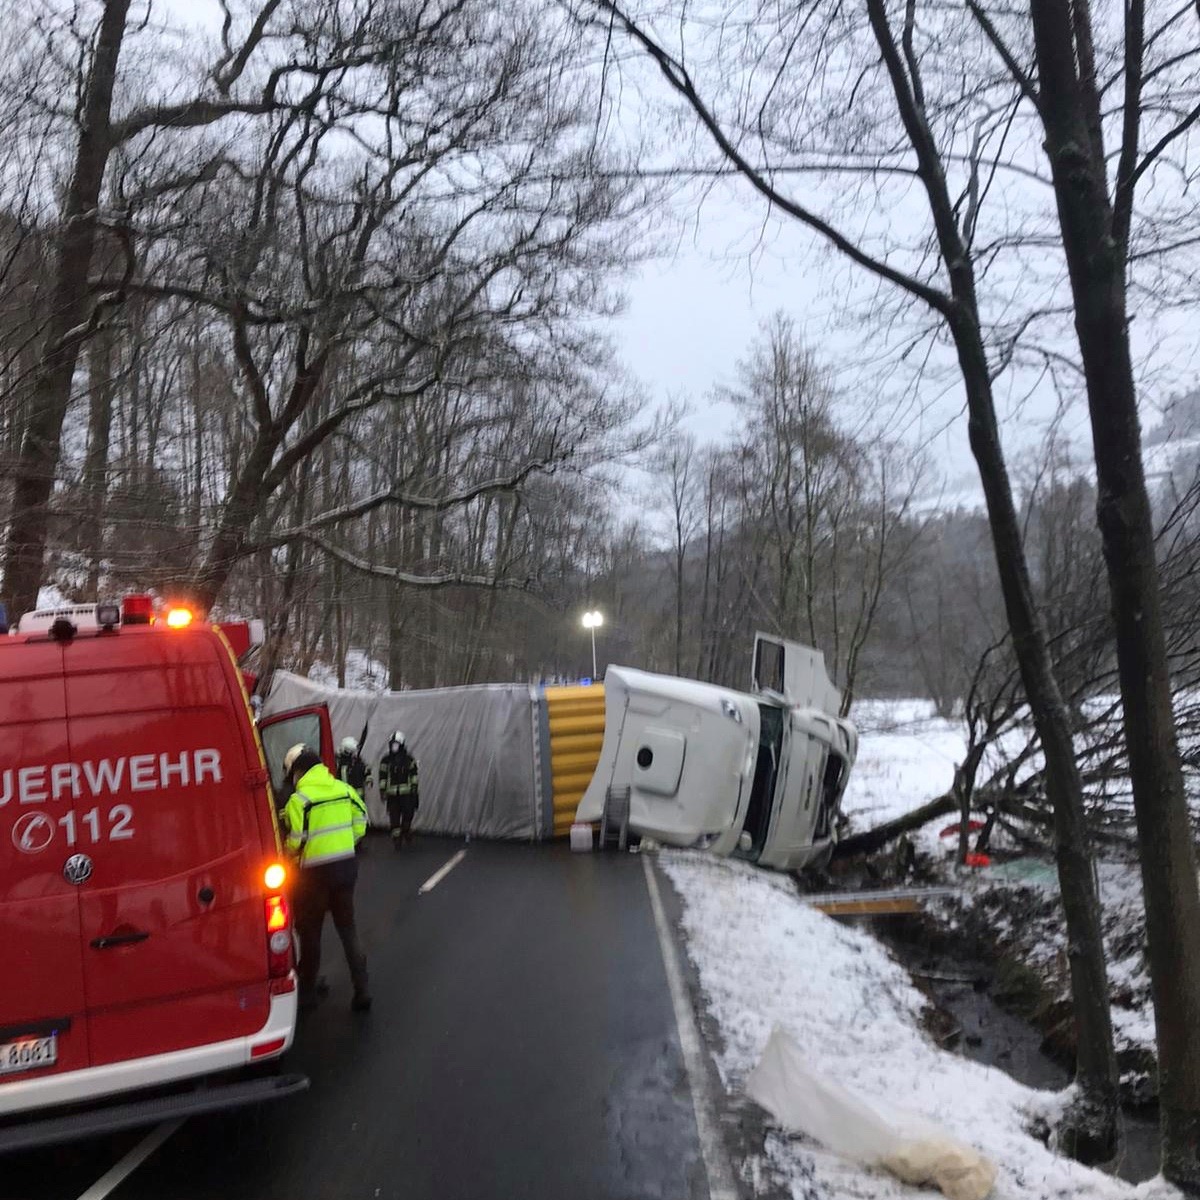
913 1149
476 747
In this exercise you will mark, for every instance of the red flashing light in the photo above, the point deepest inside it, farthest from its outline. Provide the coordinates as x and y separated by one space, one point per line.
179 618
137 610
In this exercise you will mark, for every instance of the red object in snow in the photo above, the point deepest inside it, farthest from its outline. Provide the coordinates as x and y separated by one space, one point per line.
973 826
977 860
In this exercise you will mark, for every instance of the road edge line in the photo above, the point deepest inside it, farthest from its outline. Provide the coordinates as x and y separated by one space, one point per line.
441 873
712 1149
124 1167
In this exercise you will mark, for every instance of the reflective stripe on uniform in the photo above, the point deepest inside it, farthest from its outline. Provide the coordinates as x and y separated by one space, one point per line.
331 829
312 860
310 837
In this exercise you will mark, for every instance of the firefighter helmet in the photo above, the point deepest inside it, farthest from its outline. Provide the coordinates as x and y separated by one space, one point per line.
348 746
289 759
397 739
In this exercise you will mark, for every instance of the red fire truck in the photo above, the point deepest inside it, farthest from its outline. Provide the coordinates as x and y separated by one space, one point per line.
144 913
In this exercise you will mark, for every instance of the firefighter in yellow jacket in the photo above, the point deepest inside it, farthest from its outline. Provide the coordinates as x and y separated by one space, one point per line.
325 819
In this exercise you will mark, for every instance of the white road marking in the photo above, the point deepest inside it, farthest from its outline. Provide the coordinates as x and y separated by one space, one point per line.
441 874
117 1174
716 1165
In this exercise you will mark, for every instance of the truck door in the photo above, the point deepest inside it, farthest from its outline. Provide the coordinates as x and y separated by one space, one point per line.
43 1022
281 731
168 818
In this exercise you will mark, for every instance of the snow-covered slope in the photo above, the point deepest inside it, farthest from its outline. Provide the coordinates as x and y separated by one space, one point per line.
766 958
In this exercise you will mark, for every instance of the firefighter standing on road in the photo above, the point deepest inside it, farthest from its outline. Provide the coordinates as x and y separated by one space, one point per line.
325 820
399 786
350 767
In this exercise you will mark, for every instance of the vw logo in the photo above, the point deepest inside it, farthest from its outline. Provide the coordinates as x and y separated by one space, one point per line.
33 833
78 868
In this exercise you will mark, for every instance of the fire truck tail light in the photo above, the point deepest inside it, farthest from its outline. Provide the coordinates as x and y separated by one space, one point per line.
279 939
137 610
179 618
277 913
274 877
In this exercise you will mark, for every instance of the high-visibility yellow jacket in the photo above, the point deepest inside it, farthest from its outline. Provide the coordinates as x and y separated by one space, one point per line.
325 818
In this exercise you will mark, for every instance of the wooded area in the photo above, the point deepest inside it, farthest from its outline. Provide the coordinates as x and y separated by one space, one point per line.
303 315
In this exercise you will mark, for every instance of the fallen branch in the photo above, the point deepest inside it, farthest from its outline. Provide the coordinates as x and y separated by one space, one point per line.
874 839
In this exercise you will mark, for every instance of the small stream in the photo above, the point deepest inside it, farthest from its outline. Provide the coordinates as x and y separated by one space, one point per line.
989 1035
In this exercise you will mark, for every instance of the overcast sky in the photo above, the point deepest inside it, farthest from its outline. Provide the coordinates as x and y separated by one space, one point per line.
726 266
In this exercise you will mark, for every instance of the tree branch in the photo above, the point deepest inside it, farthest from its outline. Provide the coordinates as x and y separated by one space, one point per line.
678 77
396 575
347 512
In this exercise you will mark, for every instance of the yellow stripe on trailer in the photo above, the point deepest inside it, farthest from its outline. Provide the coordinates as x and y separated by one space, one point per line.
575 716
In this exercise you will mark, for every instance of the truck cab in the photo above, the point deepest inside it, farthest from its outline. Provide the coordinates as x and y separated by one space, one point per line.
758 775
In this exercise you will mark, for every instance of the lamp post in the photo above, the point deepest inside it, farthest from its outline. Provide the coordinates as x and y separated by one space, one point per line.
592 621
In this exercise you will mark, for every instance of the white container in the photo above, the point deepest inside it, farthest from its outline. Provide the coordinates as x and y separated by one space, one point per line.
581 837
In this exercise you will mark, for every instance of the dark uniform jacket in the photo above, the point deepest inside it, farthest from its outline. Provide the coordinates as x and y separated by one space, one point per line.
352 770
398 776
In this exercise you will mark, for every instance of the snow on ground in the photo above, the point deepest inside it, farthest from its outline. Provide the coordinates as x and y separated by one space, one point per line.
1019 903
906 757
764 958
363 673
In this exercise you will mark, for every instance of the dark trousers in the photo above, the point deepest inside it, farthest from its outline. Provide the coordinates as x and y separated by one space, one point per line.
328 888
401 810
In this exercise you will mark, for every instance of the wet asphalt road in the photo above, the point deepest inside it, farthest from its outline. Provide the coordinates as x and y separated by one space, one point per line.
522 1044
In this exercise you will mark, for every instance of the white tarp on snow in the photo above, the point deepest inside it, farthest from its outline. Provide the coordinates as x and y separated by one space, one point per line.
475 747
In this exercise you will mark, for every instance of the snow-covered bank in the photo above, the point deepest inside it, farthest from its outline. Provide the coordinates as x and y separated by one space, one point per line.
907 756
764 958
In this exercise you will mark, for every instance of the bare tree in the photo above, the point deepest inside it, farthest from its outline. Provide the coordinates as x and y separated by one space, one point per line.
677 466
944 279
1065 85
75 311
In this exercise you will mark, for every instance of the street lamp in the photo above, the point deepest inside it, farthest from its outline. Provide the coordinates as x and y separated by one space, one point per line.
592 621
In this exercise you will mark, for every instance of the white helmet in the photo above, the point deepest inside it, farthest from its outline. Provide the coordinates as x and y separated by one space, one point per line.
397 738
348 746
289 759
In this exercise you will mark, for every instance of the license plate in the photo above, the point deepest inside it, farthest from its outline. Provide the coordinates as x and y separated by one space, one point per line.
28 1053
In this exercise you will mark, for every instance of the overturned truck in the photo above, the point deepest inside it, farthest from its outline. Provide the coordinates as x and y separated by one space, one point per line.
758 775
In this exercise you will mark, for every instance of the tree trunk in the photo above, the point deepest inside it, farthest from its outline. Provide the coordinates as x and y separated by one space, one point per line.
1096 256
37 465
241 507
1091 1134
95 467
